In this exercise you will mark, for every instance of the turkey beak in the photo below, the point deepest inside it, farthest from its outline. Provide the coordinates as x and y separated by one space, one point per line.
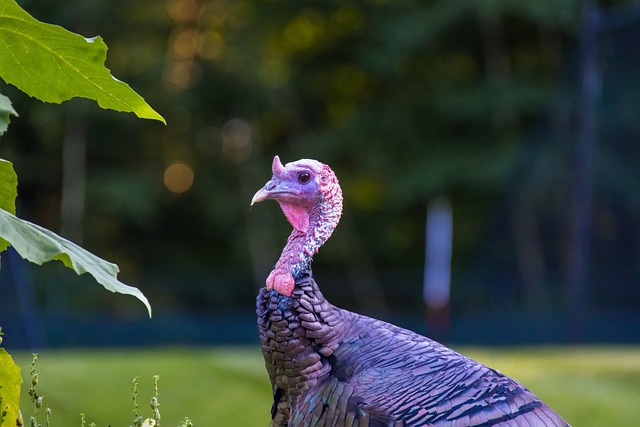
260 196
269 191
274 189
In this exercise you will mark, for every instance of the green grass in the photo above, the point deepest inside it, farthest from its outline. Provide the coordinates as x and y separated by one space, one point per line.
589 386
213 387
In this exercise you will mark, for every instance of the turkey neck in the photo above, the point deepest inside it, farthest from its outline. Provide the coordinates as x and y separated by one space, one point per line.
297 254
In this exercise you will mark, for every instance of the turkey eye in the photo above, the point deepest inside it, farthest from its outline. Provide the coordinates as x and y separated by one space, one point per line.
304 177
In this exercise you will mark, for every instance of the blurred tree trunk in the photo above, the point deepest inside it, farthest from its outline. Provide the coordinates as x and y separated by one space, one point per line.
528 244
437 269
497 64
74 165
72 197
526 237
582 202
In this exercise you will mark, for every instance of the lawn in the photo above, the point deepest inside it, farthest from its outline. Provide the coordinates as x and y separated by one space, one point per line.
589 386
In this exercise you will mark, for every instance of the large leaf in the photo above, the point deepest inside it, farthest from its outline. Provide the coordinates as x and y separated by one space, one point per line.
39 245
8 186
8 192
10 381
54 65
6 109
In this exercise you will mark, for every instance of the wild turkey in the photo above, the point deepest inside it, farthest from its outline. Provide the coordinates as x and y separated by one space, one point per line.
332 367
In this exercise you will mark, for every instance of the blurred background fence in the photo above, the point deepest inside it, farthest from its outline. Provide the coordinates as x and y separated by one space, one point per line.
523 115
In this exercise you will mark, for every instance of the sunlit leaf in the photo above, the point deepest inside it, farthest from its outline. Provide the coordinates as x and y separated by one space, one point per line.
8 186
39 245
8 192
10 381
54 65
6 110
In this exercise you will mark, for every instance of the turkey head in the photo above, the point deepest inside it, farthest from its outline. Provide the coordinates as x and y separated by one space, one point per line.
310 197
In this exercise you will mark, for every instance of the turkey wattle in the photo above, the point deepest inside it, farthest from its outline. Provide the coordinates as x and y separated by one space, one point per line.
331 367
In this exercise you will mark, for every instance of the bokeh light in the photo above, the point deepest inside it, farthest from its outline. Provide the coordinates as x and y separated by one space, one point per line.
236 140
178 177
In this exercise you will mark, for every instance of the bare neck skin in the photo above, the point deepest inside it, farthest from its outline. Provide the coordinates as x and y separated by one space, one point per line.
311 228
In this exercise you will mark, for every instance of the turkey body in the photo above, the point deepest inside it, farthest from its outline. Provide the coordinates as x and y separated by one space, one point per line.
332 367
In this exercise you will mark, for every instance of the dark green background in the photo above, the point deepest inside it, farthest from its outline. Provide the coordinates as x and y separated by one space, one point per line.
405 100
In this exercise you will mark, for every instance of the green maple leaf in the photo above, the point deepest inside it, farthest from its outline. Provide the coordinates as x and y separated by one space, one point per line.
39 245
54 65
